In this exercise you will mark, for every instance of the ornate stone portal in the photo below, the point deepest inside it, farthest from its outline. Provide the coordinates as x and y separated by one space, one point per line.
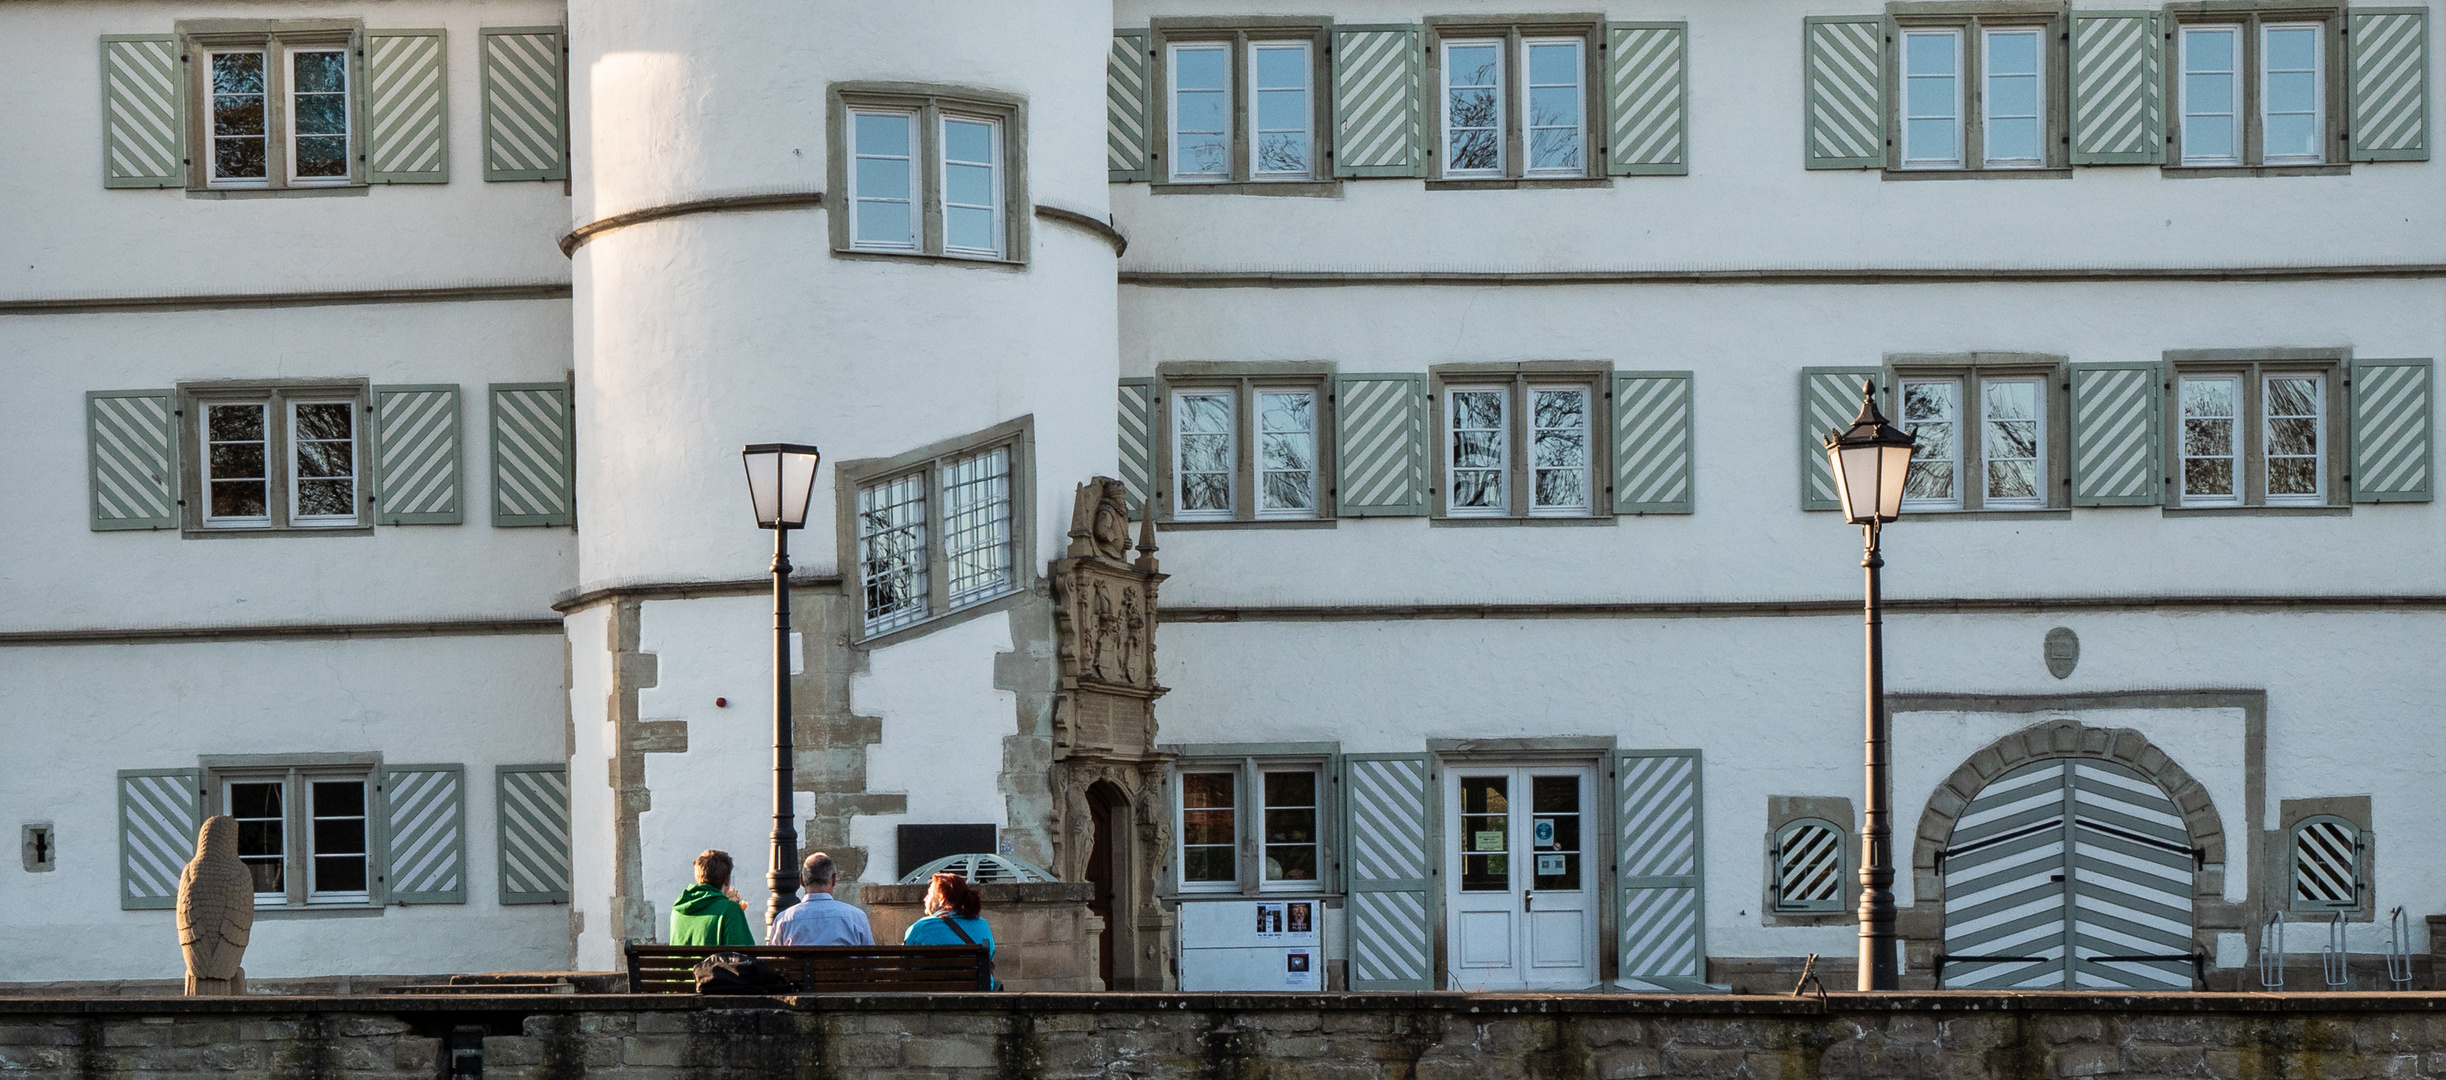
1104 756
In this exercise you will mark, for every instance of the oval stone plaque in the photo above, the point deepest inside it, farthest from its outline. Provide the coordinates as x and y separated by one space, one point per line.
2063 651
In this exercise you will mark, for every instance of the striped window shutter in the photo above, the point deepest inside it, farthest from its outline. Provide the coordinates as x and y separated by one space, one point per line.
1652 450
2391 441
2118 95
424 810
1391 886
144 140
1830 397
1647 98
1808 866
2326 865
131 455
532 808
1127 95
2116 459
2388 72
1137 459
1376 129
534 482
160 812
416 455
1664 940
407 107
1844 88
1380 449
526 137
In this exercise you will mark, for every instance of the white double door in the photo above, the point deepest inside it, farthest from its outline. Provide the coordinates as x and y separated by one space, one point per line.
1522 855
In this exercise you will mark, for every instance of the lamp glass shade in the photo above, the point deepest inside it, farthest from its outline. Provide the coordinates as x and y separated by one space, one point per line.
780 482
1871 459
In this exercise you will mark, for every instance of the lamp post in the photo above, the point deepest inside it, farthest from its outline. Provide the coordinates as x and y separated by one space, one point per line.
780 482
1870 460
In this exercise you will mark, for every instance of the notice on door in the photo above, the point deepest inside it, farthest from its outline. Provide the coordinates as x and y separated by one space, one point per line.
1549 865
1544 832
1490 840
1299 969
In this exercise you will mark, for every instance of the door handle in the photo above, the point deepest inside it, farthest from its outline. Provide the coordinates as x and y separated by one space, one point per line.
1525 894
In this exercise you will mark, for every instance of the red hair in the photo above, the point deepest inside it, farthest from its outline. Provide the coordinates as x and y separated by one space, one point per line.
952 893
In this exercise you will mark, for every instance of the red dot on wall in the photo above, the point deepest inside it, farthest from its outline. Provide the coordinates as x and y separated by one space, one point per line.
721 703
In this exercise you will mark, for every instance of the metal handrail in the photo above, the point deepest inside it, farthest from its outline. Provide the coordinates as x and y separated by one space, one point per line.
2272 951
2399 949
2334 960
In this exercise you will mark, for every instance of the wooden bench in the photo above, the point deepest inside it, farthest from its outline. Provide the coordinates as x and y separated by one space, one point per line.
822 969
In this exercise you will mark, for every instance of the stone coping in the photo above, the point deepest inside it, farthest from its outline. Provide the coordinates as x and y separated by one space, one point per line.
1452 1002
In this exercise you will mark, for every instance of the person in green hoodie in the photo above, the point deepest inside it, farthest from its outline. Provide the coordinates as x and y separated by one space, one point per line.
708 912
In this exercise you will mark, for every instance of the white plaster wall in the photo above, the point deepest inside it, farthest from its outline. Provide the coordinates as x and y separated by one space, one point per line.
593 805
1748 539
91 241
52 563
1748 202
77 715
1774 705
943 726
719 794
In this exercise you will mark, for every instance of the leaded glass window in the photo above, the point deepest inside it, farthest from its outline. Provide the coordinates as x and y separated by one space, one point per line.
977 526
892 551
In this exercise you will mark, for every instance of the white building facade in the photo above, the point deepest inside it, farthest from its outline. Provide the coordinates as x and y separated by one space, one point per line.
1471 362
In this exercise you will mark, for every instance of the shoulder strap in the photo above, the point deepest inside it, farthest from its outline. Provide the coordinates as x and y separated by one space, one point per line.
954 924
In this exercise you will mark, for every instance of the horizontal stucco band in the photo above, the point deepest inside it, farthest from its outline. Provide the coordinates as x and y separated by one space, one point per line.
580 600
449 294
793 200
1829 275
1747 609
281 631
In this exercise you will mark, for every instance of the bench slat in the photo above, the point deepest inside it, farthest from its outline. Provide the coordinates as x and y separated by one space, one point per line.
671 969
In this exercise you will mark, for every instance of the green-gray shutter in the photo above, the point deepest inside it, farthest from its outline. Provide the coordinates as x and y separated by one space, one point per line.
2118 94
2391 441
416 455
534 480
1647 98
1843 87
531 806
526 134
1127 100
2387 71
1376 128
1652 446
1380 445
144 130
1389 815
407 107
1661 844
1830 398
160 811
424 816
2116 456
1137 460
131 457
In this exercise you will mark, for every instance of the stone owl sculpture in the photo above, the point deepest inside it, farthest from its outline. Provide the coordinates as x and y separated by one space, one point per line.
216 911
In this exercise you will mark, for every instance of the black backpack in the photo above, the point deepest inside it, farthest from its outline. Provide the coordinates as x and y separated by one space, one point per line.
739 973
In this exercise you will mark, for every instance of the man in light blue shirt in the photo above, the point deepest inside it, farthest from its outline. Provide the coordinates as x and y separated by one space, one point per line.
819 919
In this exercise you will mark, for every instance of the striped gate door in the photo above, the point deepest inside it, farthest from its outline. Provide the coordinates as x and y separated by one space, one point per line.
2070 873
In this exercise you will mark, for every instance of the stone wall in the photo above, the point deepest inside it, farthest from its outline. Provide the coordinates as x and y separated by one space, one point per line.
1044 938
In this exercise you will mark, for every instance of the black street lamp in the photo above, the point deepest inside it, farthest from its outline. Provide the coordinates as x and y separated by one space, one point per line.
1870 460
780 482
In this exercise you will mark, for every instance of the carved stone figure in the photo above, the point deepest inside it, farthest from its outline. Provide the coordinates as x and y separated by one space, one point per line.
216 910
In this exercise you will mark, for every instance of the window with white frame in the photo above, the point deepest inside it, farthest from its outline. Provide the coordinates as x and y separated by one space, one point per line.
1246 448
2211 443
1808 866
926 174
2253 435
2253 92
304 834
1985 441
1525 446
1513 103
1973 92
939 531
1209 831
1473 108
1272 807
1241 104
1477 468
276 456
1932 99
1932 414
2296 427
1557 132
1203 461
279 110
2013 117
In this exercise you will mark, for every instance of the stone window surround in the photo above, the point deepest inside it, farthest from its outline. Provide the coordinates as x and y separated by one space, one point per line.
2290 815
1971 17
1248 377
2250 14
192 496
219 769
1247 762
1596 375
2252 365
1027 577
1511 29
2055 418
274 36
929 100
1783 810
1241 31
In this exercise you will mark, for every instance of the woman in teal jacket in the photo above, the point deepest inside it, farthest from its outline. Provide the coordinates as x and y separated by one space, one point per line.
953 917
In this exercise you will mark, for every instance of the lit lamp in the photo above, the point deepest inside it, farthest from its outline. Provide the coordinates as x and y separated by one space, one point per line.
781 482
1870 460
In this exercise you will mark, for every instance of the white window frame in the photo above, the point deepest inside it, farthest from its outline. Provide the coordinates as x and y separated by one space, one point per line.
2318 456
2038 442
204 441
993 150
1528 99
1987 96
1909 160
315 893
212 157
1588 453
930 489
994 516
857 197
1260 829
1496 87
2318 93
1502 467
1236 783
1256 116
295 783
906 612
356 471
1172 111
1246 767
1230 398
1904 421
288 831
348 115
2234 455
2233 107
1257 420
